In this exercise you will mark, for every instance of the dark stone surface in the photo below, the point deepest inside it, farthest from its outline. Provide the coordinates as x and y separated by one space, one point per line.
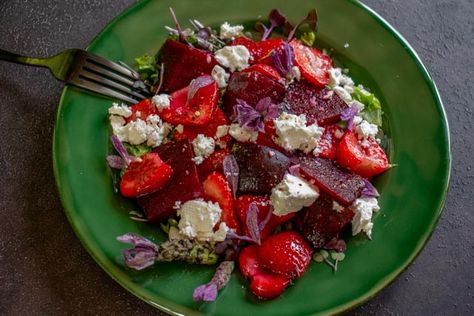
45 271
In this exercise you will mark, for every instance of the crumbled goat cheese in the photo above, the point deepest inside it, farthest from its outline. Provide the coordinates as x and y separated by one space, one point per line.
203 147
296 73
222 130
337 207
197 221
342 84
230 32
153 131
179 128
120 110
233 57
242 134
161 101
220 76
291 195
293 133
363 210
365 129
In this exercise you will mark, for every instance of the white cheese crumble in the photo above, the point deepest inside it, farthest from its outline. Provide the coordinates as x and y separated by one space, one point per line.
293 133
342 84
220 76
153 131
296 73
120 110
161 101
242 134
363 210
337 207
179 128
233 57
203 147
197 221
291 195
222 130
230 32
365 129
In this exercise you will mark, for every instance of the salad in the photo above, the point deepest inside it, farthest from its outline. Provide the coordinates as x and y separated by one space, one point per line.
255 152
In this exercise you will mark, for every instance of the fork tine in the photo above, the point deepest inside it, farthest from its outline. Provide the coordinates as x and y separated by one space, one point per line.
102 62
113 76
103 90
110 83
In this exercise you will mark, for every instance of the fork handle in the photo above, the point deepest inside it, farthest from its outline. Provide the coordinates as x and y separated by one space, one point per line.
15 58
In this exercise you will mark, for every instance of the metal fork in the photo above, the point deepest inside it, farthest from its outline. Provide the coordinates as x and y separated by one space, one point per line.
94 73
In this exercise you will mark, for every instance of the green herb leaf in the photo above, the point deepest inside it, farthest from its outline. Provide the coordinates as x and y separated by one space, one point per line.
373 109
308 38
137 150
146 67
318 257
324 253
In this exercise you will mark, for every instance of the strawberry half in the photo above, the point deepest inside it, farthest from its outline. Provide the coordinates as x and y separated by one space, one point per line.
145 176
263 284
212 163
197 111
314 65
141 110
216 189
265 70
267 137
266 49
287 254
366 161
263 204
209 130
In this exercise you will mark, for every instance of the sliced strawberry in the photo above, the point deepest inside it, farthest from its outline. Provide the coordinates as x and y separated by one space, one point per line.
142 110
182 63
266 49
265 70
197 111
263 204
366 160
212 163
286 253
145 176
313 64
327 145
217 189
248 262
268 285
267 137
209 130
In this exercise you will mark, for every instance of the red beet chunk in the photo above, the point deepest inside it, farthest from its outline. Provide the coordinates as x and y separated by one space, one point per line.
183 186
319 105
319 223
183 63
251 87
342 185
261 168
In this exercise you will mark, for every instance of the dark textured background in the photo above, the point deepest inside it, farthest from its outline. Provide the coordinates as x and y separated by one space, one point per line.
45 271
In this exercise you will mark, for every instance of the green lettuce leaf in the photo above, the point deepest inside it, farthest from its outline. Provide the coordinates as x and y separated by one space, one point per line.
146 67
373 109
137 150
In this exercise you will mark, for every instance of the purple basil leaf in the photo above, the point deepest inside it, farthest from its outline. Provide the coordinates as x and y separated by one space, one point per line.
252 222
248 117
198 83
205 292
265 221
283 59
121 149
208 292
336 244
276 18
231 172
348 115
142 255
311 19
267 109
369 190
232 235
116 162
294 170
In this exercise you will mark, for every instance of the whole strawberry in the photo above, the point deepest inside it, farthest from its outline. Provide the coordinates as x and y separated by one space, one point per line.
286 253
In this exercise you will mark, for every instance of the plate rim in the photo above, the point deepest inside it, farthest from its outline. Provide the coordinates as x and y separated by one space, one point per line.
176 309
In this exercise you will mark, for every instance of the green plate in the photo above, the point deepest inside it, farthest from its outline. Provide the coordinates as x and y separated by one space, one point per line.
412 193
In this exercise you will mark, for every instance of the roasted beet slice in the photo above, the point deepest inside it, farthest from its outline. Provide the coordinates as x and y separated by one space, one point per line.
319 105
183 63
319 223
342 185
251 87
261 168
183 186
